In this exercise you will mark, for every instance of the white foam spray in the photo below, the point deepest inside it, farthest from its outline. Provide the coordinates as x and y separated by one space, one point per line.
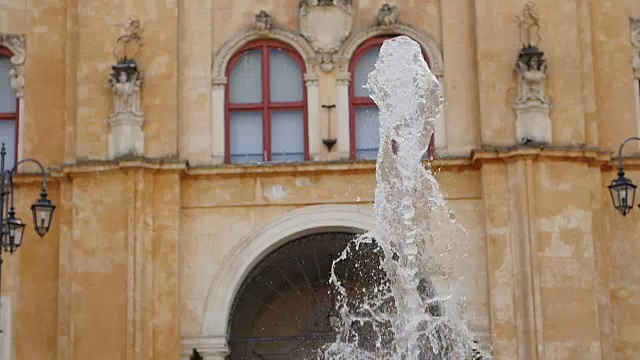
416 310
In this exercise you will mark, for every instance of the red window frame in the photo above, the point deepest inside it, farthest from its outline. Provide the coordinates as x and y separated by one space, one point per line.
266 106
356 102
7 116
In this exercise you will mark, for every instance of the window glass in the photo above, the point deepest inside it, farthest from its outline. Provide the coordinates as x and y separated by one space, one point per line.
287 135
246 137
266 125
8 137
7 95
246 78
286 77
367 132
366 64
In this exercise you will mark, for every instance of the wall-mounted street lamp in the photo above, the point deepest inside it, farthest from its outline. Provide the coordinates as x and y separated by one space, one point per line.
623 191
12 228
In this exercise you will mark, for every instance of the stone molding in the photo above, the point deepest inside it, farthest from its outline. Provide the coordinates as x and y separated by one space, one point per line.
343 78
635 42
311 79
219 82
427 43
233 45
210 348
16 43
250 250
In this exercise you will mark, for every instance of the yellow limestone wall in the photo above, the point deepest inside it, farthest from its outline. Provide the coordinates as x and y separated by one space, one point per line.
134 246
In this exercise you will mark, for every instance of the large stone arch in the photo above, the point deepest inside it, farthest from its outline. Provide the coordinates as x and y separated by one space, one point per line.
428 43
233 45
305 221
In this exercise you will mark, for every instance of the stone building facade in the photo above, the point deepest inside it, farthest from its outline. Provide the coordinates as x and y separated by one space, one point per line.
242 128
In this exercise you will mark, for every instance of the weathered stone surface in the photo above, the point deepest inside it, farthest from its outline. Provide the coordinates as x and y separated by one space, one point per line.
135 247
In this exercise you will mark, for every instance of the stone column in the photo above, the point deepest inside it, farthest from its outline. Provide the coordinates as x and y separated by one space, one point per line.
343 146
217 120
314 136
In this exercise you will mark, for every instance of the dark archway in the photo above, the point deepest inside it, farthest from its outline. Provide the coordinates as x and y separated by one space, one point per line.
281 310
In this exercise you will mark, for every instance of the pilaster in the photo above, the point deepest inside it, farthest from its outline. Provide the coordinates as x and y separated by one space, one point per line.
194 83
343 146
543 278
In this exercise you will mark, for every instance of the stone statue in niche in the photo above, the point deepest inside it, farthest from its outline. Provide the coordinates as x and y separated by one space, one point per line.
125 81
326 24
532 75
387 15
126 91
262 21
533 125
635 42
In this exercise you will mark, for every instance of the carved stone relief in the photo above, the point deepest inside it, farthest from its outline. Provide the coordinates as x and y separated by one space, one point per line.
326 24
532 74
15 43
387 15
635 41
262 21
532 105
125 81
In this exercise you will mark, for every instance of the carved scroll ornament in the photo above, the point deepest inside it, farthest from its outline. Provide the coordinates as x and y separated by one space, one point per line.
15 43
326 24
635 42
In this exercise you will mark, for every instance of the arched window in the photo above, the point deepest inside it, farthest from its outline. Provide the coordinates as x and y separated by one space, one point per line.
266 117
8 109
364 122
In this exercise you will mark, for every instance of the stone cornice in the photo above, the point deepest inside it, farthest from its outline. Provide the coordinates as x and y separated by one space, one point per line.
477 158
594 157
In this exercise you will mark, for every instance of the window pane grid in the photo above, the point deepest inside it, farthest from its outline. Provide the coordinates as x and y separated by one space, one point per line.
276 96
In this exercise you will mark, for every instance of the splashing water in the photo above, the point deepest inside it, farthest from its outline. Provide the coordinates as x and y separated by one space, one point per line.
414 310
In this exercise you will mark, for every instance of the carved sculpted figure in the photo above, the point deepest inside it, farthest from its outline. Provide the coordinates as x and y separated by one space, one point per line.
17 80
262 21
126 93
125 122
387 15
532 74
635 41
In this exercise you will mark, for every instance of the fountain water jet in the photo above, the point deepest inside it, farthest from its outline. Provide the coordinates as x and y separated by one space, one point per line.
423 246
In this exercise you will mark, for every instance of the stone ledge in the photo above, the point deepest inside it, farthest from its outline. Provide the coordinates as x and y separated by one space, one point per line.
473 162
594 157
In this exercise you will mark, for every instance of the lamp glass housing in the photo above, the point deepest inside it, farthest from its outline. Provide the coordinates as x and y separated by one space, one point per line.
13 232
623 193
42 211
